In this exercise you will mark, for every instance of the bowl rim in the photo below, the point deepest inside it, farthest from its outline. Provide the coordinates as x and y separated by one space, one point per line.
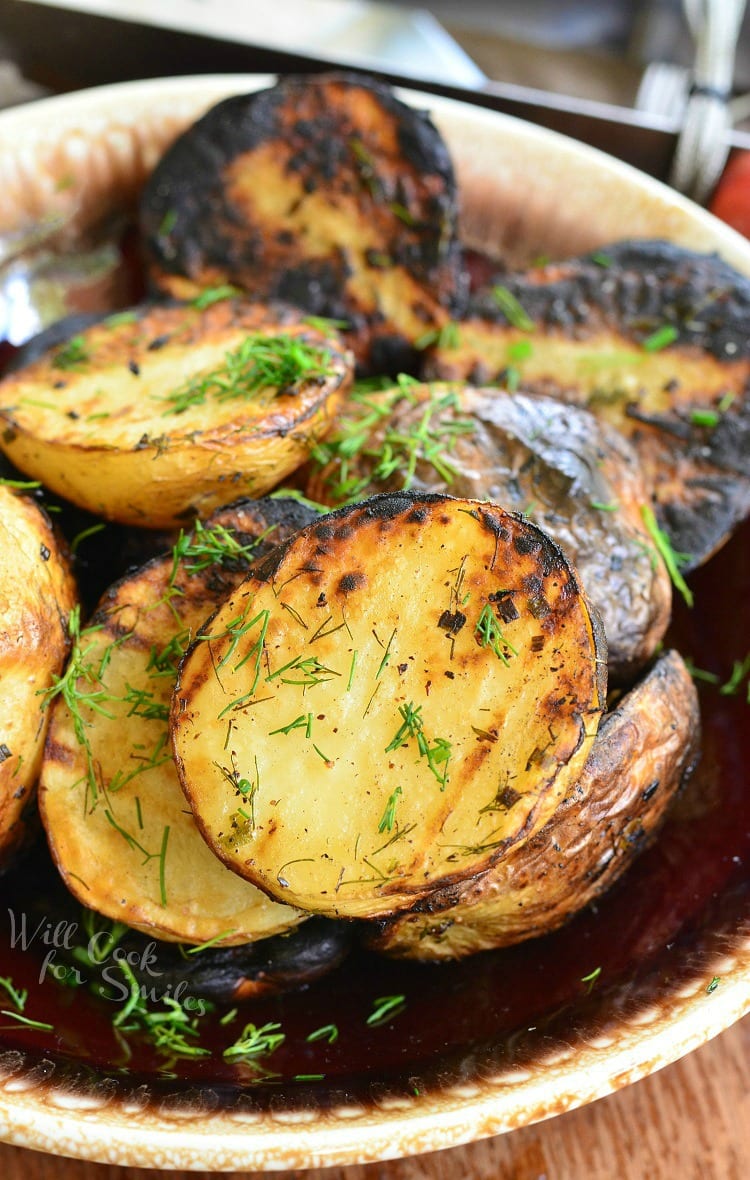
38 1113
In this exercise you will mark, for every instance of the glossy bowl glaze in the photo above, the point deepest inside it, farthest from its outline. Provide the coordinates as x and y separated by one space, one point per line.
656 968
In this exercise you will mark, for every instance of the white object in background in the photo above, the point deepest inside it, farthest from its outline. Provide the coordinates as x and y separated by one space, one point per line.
703 146
405 41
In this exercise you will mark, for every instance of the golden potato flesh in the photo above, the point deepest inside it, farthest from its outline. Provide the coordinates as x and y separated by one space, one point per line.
641 755
325 191
37 594
390 702
154 418
117 822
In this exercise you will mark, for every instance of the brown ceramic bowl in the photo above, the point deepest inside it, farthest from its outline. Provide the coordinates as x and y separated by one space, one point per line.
655 969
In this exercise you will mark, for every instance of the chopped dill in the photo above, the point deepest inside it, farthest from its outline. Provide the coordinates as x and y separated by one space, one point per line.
73 355
260 362
489 633
514 313
671 559
661 338
255 1042
385 1009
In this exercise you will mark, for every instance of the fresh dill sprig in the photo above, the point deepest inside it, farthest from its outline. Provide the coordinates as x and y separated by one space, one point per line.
327 1032
17 996
437 754
212 295
514 313
671 559
259 362
73 355
254 1042
389 451
489 633
386 1008
80 687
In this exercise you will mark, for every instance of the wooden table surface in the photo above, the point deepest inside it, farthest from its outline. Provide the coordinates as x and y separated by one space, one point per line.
691 1121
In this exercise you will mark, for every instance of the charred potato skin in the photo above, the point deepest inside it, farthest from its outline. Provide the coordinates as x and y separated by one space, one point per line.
684 406
392 270
644 752
136 616
37 594
572 474
127 454
241 974
383 513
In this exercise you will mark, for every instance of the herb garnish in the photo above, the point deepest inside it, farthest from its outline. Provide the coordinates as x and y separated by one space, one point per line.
327 1032
671 559
512 309
73 355
213 295
255 1042
661 338
259 362
591 979
393 455
489 634
437 754
740 669
386 1008
17 996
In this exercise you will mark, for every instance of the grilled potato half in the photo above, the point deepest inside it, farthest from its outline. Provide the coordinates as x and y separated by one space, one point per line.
641 755
117 822
389 703
574 476
324 191
155 417
37 595
652 338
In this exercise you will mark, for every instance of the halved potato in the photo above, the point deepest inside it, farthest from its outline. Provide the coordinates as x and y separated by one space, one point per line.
156 417
389 703
325 191
574 476
642 754
652 338
117 823
37 595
